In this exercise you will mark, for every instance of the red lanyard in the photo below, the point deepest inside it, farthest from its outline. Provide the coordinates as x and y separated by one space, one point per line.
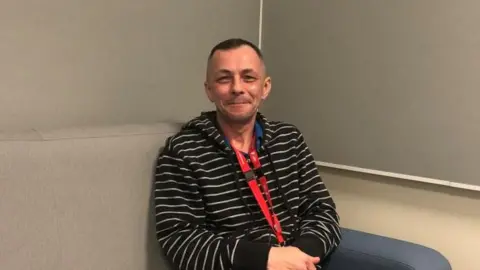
251 178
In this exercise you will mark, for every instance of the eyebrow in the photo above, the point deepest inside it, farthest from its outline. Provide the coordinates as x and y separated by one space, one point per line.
247 70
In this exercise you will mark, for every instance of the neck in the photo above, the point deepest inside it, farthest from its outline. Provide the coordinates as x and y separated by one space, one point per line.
238 134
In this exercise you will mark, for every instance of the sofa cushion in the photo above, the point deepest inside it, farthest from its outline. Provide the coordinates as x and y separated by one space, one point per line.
79 198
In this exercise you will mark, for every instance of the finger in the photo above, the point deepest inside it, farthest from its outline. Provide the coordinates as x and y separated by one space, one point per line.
310 266
315 260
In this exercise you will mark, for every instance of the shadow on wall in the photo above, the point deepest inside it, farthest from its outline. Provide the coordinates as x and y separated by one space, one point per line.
156 259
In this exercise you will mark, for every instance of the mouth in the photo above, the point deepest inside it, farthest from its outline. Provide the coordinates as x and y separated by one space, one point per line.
238 102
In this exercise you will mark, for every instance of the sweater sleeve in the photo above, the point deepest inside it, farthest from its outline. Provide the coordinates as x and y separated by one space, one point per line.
181 224
319 225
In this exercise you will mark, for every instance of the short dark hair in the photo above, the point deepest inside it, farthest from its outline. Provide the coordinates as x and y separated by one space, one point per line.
234 43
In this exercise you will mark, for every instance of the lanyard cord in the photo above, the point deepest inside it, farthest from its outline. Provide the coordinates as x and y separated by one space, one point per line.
251 176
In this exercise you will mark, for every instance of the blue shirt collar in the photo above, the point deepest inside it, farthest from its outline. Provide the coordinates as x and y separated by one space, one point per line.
258 134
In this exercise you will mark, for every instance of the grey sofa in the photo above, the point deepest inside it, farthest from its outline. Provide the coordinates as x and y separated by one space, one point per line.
79 198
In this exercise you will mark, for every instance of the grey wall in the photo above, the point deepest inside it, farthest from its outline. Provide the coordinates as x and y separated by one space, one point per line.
386 85
74 63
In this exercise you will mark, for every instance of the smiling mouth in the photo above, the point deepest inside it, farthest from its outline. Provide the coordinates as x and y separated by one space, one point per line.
239 102
238 105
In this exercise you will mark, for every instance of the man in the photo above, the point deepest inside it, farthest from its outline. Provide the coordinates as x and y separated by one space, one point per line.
213 208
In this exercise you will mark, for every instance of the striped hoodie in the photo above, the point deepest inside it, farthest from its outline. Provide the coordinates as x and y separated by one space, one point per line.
206 215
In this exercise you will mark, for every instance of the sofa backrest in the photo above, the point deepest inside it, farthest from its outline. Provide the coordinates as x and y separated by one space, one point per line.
80 198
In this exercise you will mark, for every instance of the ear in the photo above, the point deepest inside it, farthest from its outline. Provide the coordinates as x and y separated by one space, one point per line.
208 91
267 87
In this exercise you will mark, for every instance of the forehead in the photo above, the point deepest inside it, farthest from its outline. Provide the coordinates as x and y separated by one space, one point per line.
236 60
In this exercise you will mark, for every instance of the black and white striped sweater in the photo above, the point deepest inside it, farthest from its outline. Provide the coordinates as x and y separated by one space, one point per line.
206 215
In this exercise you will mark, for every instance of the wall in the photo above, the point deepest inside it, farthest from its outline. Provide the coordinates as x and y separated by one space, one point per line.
393 85
445 219
94 62
442 218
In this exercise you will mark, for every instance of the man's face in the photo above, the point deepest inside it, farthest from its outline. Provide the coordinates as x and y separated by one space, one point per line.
237 83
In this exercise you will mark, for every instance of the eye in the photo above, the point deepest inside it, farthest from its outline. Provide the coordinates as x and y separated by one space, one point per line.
223 79
250 78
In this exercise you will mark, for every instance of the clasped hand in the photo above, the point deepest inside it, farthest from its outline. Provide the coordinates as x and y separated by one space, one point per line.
290 258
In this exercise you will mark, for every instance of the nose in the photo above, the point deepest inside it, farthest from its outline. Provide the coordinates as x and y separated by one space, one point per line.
237 88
